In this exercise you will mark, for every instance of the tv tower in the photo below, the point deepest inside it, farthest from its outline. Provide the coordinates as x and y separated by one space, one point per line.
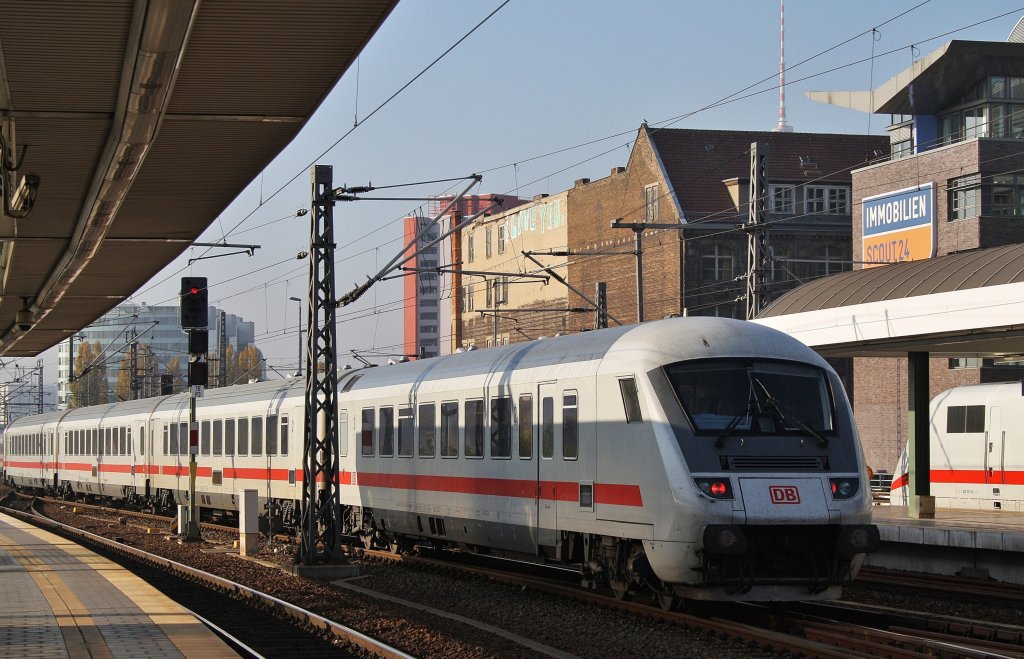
783 127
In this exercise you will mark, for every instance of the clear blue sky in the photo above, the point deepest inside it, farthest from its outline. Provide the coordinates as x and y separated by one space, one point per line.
539 76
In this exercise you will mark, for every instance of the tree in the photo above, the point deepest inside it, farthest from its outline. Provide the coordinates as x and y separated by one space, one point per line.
145 365
250 364
90 384
173 369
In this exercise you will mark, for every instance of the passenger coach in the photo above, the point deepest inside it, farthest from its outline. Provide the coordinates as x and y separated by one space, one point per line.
692 457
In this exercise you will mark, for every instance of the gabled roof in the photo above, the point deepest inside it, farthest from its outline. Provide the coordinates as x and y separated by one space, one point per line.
697 161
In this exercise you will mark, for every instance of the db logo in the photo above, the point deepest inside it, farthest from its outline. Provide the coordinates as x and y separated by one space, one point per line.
784 493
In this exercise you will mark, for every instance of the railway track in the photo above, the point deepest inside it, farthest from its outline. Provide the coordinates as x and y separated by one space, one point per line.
810 628
236 611
938 583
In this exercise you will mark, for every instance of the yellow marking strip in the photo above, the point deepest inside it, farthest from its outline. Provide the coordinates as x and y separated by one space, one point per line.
191 637
81 636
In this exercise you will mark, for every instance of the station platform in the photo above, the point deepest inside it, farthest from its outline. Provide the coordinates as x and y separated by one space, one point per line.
62 600
980 544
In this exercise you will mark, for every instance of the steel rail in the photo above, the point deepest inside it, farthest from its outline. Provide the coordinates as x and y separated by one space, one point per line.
372 645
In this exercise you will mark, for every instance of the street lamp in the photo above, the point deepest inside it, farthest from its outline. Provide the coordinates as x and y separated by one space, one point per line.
300 332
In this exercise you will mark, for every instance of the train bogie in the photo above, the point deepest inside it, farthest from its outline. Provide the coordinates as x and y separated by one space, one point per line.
702 458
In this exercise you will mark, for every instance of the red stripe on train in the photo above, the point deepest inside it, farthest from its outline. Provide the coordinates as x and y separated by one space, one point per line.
966 477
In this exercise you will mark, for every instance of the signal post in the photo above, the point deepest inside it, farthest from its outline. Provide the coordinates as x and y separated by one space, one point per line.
193 306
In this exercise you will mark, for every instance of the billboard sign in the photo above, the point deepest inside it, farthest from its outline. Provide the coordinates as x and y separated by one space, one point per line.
899 226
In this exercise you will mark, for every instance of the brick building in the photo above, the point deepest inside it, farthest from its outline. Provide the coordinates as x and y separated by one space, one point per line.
697 180
957 121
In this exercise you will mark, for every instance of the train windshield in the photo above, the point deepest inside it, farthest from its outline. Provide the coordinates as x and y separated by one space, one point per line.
759 397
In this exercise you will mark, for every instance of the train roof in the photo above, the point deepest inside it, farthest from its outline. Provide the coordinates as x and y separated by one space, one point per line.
626 349
630 348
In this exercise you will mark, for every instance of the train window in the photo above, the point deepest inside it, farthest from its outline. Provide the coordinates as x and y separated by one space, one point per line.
95 441
449 430
474 429
965 418
243 436
272 434
204 437
128 434
570 426
501 427
229 436
184 438
427 429
142 440
170 449
386 424
218 436
284 435
526 426
122 436
630 400
405 431
366 432
107 441
256 435
547 430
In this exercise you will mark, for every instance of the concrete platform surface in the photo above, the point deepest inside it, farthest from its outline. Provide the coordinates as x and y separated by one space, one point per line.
982 544
62 600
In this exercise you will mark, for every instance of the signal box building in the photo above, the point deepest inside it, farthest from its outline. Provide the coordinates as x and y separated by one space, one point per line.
954 183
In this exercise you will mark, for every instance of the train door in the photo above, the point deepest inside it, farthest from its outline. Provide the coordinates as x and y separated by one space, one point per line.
994 447
549 434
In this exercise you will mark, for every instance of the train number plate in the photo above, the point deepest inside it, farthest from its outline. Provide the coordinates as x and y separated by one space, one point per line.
784 494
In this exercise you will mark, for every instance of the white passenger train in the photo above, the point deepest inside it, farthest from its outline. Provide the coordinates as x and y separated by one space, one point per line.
976 449
697 457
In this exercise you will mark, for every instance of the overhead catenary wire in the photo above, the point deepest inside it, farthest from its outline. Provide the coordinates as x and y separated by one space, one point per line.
524 160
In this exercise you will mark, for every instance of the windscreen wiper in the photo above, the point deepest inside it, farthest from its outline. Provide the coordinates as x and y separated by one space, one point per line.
720 440
776 405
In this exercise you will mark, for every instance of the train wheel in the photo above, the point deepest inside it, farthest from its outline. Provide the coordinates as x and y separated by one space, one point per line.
668 601
619 589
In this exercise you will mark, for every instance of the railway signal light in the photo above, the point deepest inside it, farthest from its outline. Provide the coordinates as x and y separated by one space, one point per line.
197 373
193 302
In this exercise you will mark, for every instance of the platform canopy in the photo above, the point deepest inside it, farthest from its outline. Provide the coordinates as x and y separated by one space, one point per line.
969 304
143 120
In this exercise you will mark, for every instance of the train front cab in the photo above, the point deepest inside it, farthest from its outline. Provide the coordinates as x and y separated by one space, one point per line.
777 479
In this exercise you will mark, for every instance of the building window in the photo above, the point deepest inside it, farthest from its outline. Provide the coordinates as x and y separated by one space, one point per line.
964 197
471 248
467 298
901 149
828 261
428 315
781 198
1005 196
826 200
490 294
651 203
717 264
488 251
428 329
501 239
